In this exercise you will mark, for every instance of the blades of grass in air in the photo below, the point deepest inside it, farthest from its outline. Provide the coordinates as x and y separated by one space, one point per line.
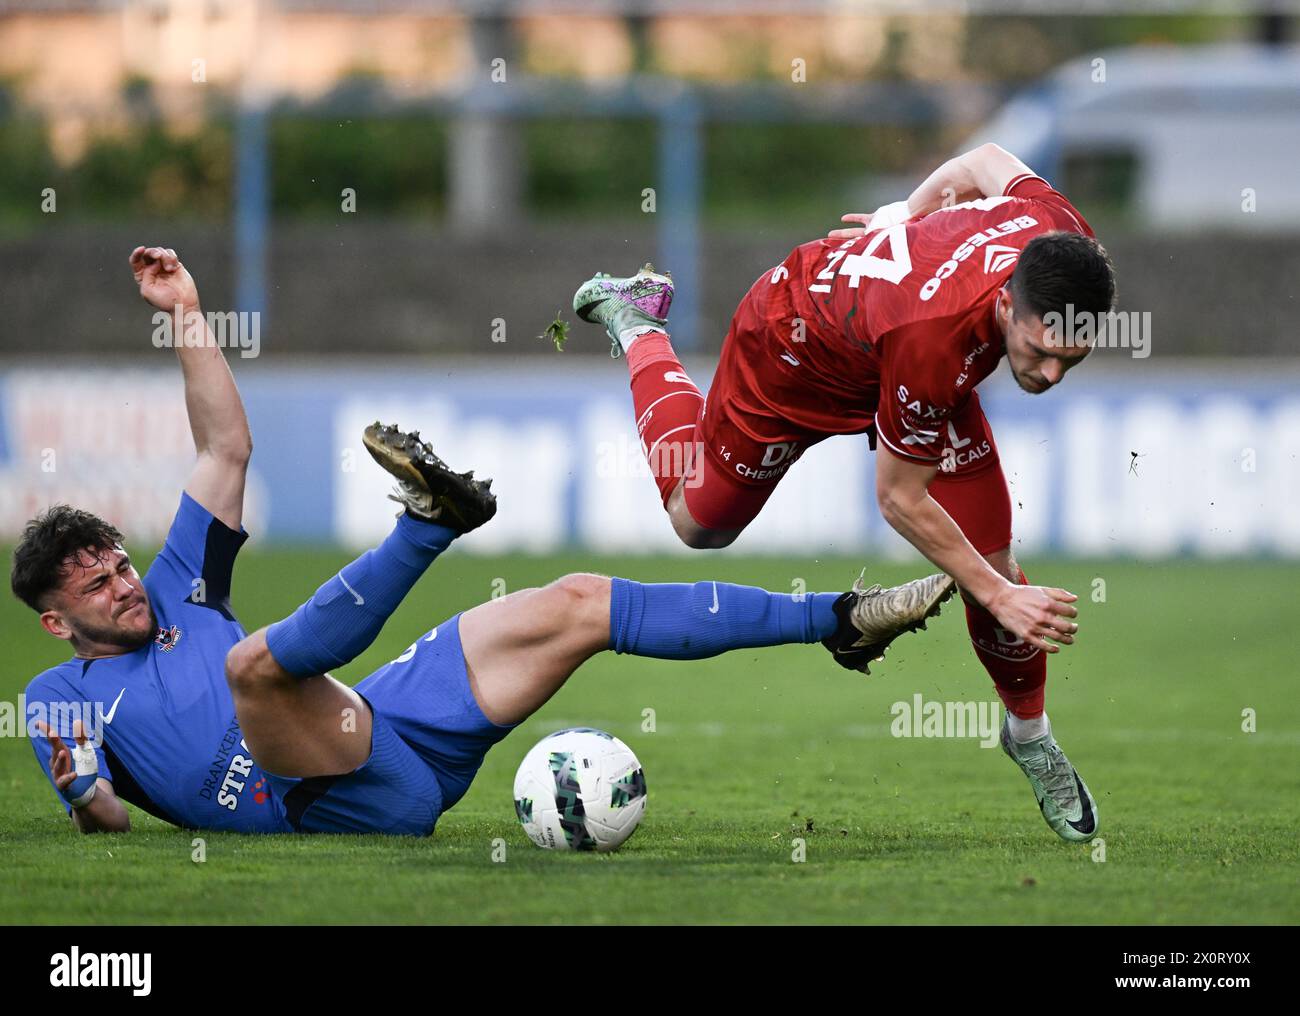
557 331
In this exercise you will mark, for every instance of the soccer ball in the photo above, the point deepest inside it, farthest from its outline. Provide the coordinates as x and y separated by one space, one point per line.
579 789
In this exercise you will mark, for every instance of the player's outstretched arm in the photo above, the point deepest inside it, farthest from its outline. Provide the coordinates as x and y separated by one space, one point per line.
101 812
217 420
1034 613
983 172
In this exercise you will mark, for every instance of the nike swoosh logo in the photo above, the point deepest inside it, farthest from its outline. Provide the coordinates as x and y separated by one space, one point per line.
107 717
1087 821
355 595
431 636
714 608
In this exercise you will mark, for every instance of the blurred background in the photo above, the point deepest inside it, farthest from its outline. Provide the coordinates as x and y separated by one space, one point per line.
401 194
392 199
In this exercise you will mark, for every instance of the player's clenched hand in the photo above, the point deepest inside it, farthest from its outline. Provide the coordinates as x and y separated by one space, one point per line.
1036 614
162 279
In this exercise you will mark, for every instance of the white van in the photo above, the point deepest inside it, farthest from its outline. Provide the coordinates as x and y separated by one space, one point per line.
1181 138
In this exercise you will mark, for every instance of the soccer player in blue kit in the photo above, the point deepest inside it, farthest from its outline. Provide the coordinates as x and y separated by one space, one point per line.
193 721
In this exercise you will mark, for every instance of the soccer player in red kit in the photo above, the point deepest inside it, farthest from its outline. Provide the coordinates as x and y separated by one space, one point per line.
887 328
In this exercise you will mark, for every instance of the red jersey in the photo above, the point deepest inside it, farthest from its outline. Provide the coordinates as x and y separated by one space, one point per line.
907 311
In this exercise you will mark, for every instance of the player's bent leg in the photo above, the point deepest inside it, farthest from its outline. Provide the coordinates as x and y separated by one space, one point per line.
1066 804
709 507
297 720
521 648
690 532
667 403
981 506
295 726
670 417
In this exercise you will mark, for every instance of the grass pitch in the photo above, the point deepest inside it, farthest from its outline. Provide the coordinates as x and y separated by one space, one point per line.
755 750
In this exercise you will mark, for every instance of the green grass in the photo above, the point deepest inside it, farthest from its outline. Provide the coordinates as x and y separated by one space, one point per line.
750 749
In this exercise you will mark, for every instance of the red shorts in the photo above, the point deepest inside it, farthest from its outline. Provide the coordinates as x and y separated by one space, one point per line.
749 444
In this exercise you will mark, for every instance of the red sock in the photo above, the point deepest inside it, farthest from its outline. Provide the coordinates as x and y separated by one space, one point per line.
667 407
1019 670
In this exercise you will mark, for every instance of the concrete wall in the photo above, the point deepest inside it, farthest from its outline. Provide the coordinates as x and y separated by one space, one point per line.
361 287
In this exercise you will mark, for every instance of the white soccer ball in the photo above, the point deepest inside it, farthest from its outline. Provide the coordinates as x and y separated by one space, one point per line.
580 789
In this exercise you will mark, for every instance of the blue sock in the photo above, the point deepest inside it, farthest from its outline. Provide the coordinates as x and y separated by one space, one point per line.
675 621
341 620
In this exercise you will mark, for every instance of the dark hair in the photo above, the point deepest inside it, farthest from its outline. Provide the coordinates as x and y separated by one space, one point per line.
1061 268
53 537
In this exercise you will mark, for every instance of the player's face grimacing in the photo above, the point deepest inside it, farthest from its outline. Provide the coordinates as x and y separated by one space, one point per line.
1038 361
101 603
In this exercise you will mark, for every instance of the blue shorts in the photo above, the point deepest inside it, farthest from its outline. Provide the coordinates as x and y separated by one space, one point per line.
428 740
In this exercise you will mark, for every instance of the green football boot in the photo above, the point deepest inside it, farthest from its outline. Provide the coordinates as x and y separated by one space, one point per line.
639 301
1063 798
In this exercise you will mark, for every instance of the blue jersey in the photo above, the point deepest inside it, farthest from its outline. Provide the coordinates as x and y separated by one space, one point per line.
171 744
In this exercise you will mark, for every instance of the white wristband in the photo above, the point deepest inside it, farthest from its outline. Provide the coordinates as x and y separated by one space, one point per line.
890 215
86 765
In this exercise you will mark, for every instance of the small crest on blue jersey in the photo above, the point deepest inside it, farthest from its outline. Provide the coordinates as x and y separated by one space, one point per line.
167 638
